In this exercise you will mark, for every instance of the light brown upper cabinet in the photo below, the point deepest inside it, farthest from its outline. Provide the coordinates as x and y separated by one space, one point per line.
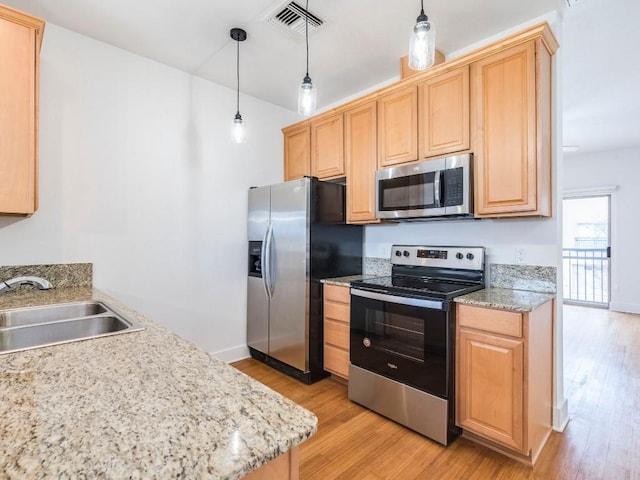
327 147
361 158
398 127
494 101
20 40
443 113
297 151
512 112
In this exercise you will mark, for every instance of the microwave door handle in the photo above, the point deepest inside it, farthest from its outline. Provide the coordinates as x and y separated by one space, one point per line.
437 189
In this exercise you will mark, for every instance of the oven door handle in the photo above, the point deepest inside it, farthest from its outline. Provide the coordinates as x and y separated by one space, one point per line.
413 302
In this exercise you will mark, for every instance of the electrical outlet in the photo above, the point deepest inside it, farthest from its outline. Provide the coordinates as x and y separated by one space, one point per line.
520 255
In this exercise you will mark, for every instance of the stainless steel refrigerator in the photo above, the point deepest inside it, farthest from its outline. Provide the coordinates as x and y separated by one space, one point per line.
297 236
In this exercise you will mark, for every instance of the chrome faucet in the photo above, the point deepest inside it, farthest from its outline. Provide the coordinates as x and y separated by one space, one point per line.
39 283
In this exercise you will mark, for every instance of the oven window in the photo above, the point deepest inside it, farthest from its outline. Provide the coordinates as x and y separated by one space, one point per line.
408 193
396 333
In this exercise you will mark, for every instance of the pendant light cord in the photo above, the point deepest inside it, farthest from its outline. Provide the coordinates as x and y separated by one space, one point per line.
238 77
421 7
306 32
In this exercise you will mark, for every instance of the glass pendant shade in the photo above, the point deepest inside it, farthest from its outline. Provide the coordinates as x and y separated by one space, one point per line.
307 94
307 97
422 44
237 129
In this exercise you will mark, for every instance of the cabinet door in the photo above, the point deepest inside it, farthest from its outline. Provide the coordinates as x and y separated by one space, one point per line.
504 92
361 157
327 148
297 152
490 388
19 46
398 127
443 113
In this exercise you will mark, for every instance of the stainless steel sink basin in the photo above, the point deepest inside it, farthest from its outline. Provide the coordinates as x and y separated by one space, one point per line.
49 313
34 327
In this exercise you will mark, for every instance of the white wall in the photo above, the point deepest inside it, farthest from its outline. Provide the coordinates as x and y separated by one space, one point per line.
138 175
504 238
619 168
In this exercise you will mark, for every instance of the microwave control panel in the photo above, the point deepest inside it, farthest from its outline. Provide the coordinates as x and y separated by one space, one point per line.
453 187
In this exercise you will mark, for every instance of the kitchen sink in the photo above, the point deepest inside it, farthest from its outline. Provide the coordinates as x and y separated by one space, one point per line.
50 313
35 327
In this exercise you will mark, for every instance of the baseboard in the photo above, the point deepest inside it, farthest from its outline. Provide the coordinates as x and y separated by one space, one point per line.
624 307
561 416
232 354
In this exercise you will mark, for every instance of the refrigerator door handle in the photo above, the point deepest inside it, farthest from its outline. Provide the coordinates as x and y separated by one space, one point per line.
265 267
266 258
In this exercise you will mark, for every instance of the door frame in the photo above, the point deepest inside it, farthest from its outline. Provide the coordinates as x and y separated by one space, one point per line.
601 191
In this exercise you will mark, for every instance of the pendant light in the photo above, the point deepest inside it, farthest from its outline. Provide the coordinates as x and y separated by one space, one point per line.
422 44
239 35
307 94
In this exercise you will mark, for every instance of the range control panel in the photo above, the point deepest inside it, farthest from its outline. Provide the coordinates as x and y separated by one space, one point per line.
468 258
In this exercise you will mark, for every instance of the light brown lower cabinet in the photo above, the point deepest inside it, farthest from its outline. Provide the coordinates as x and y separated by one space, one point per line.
283 467
337 305
504 364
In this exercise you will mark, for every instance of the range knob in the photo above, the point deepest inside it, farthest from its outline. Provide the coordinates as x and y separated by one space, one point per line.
459 256
406 253
470 256
398 253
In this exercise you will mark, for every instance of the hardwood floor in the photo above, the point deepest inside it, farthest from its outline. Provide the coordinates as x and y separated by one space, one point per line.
602 440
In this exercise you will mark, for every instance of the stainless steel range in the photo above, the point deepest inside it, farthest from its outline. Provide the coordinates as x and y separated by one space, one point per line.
402 336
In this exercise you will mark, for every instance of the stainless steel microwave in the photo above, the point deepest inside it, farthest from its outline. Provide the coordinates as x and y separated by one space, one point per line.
433 188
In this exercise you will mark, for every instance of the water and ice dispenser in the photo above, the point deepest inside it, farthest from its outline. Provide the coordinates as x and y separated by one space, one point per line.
255 259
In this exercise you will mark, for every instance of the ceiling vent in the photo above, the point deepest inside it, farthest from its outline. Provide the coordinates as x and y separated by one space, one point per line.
290 19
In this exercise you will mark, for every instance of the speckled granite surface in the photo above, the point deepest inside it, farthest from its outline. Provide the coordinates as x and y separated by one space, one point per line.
523 277
378 267
141 405
61 276
505 299
345 281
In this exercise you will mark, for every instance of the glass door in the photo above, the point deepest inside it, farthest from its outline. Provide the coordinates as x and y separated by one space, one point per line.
586 250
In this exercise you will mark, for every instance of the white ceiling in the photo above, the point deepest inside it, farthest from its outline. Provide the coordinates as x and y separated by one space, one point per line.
361 43
601 75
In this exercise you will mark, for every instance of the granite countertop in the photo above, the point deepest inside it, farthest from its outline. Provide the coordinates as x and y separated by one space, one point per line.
346 281
506 299
143 404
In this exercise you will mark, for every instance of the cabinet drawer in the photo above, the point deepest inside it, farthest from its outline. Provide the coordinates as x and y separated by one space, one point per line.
337 311
336 361
336 333
336 293
490 320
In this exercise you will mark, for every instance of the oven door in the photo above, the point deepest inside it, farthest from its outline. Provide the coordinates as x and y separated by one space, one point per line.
403 338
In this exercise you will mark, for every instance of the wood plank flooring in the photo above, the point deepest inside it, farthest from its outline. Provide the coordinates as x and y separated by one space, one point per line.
602 440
